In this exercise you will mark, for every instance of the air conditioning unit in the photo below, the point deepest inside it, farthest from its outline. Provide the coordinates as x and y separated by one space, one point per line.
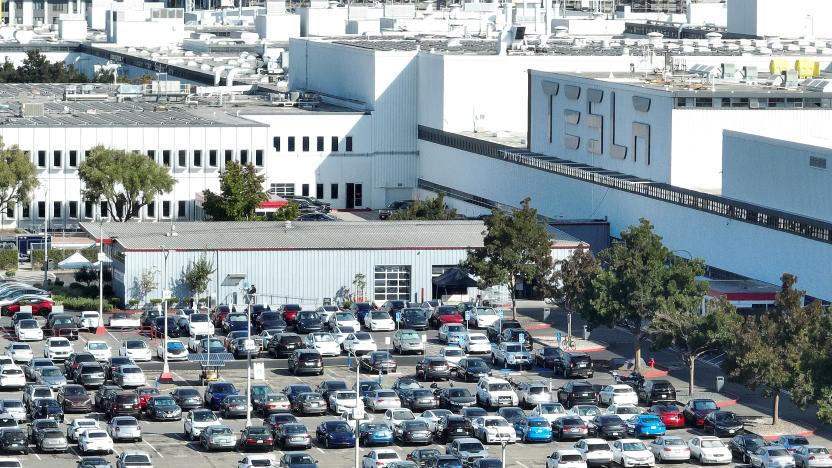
32 109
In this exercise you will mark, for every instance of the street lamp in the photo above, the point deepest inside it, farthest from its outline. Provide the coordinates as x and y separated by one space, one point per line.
356 412
101 270
166 375
248 346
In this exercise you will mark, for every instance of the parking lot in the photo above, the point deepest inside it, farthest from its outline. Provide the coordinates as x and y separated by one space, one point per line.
164 441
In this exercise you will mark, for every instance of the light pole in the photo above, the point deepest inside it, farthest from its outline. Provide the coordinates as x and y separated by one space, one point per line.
101 270
503 453
166 375
46 241
356 412
248 346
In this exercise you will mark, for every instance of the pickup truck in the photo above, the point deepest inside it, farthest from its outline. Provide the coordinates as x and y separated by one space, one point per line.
511 354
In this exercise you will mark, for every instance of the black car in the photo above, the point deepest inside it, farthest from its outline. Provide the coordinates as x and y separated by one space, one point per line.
452 427
496 329
310 403
163 408
275 421
577 393
326 387
413 432
270 321
114 363
546 356
456 398
422 457
47 408
39 425
487 463
433 368
255 438
742 446
512 414
394 207
93 462
187 398
651 392
420 399
73 364
366 387
309 321
102 393
723 424
173 327
391 307
608 426
306 361
472 412
413 319
293 435
91 375
294 391
378 362
13 440
284 344
257 310
572 364
149 317
17 317
471 369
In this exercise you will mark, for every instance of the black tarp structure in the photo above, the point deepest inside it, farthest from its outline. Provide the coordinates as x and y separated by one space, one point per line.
453 281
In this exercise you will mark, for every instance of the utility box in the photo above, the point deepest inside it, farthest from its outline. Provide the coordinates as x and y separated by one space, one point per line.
586 332
720 382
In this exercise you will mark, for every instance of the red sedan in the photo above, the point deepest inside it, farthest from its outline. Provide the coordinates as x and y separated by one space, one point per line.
145 393
446 314
290 313
671 415
40 305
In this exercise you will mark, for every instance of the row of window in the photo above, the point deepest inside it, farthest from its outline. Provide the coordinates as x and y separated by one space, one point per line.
754 103
196 158
288 190
70 210
334 144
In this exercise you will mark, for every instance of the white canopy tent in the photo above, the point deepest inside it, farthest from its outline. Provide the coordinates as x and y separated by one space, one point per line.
75 261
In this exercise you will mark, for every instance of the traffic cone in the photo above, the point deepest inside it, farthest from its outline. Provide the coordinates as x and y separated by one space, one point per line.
100 330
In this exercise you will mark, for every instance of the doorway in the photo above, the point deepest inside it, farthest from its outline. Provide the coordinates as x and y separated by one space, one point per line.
354 195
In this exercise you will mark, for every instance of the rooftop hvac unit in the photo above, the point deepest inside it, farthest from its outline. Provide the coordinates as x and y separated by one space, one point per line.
728 70
750 74
789 78
818 86
32 109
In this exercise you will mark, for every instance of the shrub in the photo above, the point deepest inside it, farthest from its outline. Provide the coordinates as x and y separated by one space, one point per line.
11 273
8 259
80 303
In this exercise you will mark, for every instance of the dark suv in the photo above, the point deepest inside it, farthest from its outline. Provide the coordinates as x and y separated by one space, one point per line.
74 362
284 344
394 207
306 361
122 404
656 391
577 393
290 313
496 329
453 426
571 365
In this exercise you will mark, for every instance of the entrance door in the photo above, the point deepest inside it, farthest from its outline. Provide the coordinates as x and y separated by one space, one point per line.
358 198
350 195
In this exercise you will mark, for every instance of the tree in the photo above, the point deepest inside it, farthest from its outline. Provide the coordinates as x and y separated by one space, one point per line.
640 278
428 209
288 212
691 333
241 193
572 281
86 275
18 177
198 274
516 247
146 282
37 69
127 181
769 351
359 284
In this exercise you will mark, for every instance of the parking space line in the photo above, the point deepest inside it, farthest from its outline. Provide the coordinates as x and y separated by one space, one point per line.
76 452
524 466
154 449
35 454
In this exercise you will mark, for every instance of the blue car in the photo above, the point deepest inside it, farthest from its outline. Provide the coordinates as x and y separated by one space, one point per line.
447 461
335 434
217 391
375 433
534 429
646 425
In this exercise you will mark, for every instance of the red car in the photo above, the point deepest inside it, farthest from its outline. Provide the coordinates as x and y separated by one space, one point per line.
446 314
290 313
145 393
40 305
696 410
670 414
218 315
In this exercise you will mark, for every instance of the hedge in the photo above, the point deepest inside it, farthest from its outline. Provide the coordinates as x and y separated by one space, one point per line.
57 255
80 303
8 259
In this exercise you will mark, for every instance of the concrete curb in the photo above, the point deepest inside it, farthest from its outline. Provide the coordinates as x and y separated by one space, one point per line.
806 433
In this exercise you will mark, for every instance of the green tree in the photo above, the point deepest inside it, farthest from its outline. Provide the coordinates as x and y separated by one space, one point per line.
640 278
571 282
127 181
288 212
198 275
241 193
145 283
359 284
516 247
18 177
770 350
684 328
85 275
37 69
428 209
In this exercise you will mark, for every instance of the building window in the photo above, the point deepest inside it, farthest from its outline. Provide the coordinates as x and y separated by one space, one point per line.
258 158
182 161
229 155
73 158
817 162
56 209
166 158
10 212
166 209
304 190
152 155
276 143
243 157
305 143
333 191
197 158
104 209
348 144
41 158
181 209
88 210
73 209
26 211
334 144
151 210
86 154
549 118
320 143
56 158
290 145
319 191
212 158
41 209
391 282
283 190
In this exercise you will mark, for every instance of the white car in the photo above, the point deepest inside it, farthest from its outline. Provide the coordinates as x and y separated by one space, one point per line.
482 317
78 426
377 320
57 349
342 400
477 343
197 420
28 330
129 375
20 352
380 458
586 412
341 334
625 411
495 392
709 449
631 452
595 452
99 349
257 461
431 417
16 408
90 320
566 458
550 411
396 416
176 350
95 441
344 319
324 343
125 428
452 354
493 430
200 324
670 448
124 320
326 312
360 343
452 333
137 350
134 459
618 394
12 376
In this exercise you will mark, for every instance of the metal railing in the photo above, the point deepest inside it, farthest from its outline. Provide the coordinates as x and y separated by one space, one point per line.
750 213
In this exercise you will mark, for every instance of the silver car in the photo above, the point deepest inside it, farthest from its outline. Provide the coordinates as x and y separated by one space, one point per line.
775 456
124 428
217 437
408 341
50 376
380 400
669 448
52 440
532 394
812 456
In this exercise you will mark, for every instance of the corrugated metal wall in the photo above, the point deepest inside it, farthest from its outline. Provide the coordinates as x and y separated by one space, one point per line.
290 276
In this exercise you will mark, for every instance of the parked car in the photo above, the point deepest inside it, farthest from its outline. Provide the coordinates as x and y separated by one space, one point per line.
493 429
51 440
533 429
129 375
669 448
533 393
470 369
408 341
335 434
742 446
122 404
451 426
125 428
631 452
812 456
28 330
309 321
13 440
595 452
722 424
196 422
284 344
433 368
791 442
163 408
618 394
293 435
217 437
570 427
709 449
550 411
467 449
306 361
609 426
695 411
374 433
234 406
137 350
645 425
445 314
216 392
476 343
565 458
95 441
669 413
577 392
573 364
378 362
413 319
651 392
254 438
323 343
74 398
